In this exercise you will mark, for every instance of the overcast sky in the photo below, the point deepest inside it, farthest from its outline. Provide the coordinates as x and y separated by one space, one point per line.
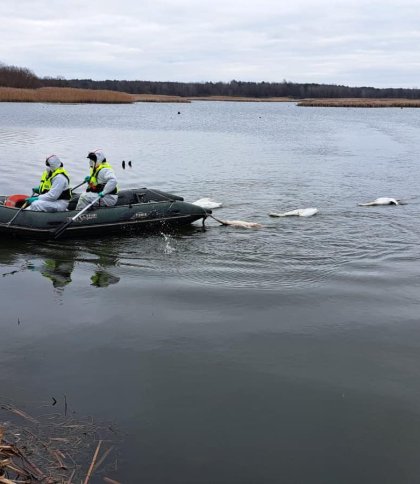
354 42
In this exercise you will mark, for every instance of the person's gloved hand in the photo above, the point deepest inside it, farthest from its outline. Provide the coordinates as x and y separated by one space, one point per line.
87 179
30 200
101 194
35 190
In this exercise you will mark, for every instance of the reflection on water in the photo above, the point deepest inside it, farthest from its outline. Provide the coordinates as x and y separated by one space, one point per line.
103 279
59 265
59 272
285 354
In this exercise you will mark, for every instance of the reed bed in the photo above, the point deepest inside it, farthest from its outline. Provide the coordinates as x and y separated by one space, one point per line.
73 95
243 99
55 448
159 98
64 95
361 103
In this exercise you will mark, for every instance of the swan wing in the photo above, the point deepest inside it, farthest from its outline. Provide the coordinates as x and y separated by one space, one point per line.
243 224
207 203
300 212
308 212
380 201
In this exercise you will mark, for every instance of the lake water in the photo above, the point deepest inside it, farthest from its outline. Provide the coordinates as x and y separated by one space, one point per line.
287 354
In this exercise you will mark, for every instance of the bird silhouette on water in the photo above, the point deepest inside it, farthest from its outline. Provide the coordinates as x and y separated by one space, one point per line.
123 164
129 163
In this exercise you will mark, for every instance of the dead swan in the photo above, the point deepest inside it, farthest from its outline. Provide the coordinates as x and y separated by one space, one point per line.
237 223
300 212
381 201
242 224
207 203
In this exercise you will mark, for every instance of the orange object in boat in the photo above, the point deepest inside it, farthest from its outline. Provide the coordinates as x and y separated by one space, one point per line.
15 200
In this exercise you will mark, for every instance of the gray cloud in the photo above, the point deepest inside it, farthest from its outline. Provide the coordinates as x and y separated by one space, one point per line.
342 42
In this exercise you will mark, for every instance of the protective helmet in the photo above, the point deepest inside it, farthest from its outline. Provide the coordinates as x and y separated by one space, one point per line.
53 162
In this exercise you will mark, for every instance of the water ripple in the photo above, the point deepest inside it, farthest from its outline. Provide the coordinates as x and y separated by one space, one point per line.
294 160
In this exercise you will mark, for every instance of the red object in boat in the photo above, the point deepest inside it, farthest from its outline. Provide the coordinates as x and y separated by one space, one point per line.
15 200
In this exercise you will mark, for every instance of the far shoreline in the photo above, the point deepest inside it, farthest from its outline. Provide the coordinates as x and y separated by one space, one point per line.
65 95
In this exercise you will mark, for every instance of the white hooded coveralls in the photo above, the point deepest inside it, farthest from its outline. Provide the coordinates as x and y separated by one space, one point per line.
49 202
106 176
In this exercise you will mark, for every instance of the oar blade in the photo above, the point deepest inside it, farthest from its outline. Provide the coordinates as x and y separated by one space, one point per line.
61 229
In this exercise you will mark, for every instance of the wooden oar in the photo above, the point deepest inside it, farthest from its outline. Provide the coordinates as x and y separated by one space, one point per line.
61 229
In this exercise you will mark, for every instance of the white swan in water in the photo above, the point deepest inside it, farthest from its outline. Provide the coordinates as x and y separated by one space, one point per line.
381 201
237 223
241 224
207 203
300 212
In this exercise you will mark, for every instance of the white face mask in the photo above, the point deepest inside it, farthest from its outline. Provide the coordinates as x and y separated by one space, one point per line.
92 163
48 168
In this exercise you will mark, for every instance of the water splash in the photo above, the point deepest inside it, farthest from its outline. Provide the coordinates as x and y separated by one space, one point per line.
169 249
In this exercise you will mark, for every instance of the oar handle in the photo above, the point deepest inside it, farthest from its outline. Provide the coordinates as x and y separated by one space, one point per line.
61 229
79 185
18 212
86 208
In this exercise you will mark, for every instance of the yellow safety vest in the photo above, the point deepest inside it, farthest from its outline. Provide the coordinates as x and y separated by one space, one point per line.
46 183
96 187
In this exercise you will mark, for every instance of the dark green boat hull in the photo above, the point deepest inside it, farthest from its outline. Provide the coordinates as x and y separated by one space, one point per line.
137 210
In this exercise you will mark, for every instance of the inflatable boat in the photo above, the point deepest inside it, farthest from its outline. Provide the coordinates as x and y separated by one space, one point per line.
137 209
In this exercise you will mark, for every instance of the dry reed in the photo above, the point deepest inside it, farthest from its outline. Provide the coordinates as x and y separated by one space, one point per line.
72 95
63 95
159 98
361 103
54 449
243 99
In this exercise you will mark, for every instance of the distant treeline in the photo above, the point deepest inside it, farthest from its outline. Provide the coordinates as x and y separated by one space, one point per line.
237 88
11 76
20 77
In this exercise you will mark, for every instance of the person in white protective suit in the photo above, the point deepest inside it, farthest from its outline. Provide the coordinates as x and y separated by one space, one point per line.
53 192
102 183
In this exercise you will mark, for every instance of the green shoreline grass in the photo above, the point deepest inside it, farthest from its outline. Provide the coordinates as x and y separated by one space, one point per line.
72 95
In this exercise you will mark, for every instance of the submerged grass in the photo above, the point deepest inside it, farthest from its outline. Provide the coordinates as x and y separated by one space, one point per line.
55 448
